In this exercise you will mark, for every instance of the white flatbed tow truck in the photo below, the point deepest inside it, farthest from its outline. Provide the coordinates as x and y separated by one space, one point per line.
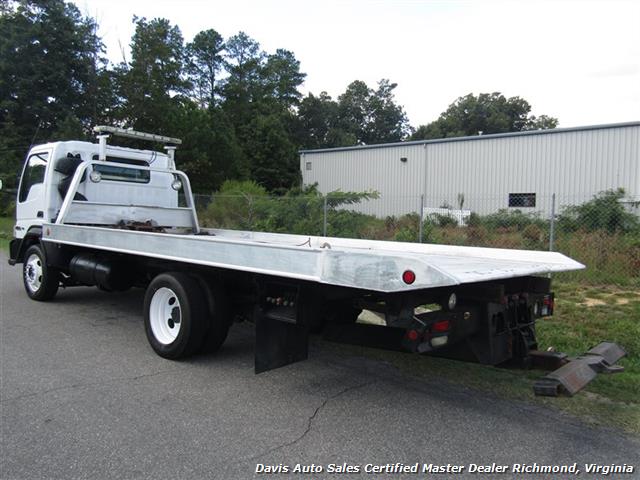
98 214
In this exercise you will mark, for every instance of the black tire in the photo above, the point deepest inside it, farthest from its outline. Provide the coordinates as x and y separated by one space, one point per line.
40 280
220 317
179 300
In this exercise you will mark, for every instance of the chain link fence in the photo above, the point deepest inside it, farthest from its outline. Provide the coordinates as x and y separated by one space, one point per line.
602 231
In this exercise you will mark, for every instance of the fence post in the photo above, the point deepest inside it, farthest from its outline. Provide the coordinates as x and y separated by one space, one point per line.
324 220
552 222
420 233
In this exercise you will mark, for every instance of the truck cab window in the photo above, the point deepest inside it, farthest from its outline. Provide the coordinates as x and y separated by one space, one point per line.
123 174
33 173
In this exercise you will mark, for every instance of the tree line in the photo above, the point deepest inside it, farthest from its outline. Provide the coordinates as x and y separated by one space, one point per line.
238 109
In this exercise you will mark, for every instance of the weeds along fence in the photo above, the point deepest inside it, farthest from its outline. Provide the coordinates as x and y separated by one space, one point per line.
603 232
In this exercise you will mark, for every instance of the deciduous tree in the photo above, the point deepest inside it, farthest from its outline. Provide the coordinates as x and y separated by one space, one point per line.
372 116
485 114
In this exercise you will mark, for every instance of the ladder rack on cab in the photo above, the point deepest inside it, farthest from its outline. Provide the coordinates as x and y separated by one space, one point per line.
103 132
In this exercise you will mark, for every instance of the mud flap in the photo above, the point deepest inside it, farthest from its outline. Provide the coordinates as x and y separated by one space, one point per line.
282 334
279 343
578 372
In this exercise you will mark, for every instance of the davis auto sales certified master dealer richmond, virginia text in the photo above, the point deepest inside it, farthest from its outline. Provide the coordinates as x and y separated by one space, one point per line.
401 468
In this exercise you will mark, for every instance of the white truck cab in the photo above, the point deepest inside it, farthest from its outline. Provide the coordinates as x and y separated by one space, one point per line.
49 169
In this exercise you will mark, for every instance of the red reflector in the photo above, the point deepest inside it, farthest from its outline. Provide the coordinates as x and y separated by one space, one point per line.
547 300
408 277
412 335
441 326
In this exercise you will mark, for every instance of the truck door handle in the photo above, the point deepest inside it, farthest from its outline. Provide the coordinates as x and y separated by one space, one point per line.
40 214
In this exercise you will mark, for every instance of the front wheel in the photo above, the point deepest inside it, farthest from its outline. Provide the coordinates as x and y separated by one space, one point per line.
175 315
40 280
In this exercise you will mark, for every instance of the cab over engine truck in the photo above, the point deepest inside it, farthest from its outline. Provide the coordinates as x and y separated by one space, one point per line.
109 216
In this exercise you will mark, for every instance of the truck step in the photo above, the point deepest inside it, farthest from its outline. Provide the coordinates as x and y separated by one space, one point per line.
577 372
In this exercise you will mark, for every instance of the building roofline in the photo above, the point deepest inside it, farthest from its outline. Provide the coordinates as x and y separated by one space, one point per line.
474 137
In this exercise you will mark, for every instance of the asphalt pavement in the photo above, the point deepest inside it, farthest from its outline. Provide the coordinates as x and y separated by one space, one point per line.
84 396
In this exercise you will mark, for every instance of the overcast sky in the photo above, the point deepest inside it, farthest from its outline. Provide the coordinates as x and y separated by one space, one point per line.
576 60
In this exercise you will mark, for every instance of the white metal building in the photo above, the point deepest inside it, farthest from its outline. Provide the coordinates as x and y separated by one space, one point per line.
512 170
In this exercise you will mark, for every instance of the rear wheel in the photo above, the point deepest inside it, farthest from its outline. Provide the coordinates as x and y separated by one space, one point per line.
175 315
220 317
40 280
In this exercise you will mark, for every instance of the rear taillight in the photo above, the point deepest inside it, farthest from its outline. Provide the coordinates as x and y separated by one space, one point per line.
408 277
441 326
412 335
547 306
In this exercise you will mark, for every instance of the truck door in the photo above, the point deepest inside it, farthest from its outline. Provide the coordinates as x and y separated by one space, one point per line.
30 207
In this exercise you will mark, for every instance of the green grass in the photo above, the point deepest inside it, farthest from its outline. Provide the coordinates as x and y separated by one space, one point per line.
580 323
610 400
6 232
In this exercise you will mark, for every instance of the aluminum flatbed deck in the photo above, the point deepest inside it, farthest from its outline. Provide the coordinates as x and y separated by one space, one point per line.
361 264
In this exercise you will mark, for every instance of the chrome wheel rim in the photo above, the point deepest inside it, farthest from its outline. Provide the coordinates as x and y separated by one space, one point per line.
33 273
165 315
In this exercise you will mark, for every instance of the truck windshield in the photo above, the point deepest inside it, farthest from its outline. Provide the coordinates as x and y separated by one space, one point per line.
33 173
